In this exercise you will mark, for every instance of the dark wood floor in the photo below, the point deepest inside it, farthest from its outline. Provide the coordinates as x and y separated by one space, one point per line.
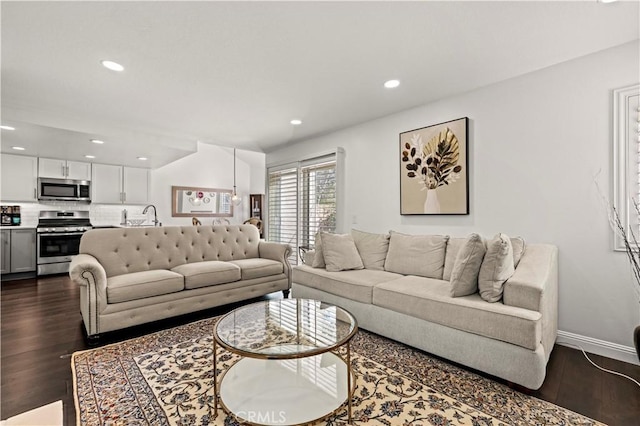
41 328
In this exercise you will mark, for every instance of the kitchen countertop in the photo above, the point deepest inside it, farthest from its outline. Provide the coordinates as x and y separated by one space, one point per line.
18 227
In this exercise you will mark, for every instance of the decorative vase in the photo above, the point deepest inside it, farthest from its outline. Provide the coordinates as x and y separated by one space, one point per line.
636 340
431 204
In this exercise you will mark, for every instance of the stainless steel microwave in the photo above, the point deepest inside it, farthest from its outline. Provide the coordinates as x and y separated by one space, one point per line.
64 189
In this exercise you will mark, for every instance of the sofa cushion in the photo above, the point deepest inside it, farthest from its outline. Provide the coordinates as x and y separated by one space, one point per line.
429 300
421 255
258 268
355 284
497 267
204 274
340 252
140 285
318 259
373 248
464 277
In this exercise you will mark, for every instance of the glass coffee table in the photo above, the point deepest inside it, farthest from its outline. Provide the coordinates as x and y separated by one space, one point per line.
295 362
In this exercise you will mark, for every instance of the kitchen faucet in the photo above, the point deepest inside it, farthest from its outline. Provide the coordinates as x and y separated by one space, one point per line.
155 214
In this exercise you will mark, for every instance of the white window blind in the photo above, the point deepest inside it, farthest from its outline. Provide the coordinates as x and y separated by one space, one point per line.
282 214
302 201
317 201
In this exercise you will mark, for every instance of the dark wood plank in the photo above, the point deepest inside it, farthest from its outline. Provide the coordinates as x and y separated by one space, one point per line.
553 382
41 327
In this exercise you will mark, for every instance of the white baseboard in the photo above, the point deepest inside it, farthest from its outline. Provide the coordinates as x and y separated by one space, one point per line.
599 347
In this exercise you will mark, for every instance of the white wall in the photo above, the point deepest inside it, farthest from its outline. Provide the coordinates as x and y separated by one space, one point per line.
536 143
212 167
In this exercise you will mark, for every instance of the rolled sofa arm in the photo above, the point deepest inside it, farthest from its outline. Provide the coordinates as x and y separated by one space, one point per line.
86 271
279 252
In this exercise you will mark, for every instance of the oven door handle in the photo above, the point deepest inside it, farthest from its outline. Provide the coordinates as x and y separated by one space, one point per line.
60 234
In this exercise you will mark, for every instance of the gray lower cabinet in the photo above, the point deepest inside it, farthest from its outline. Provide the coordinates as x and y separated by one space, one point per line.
5 252
23 250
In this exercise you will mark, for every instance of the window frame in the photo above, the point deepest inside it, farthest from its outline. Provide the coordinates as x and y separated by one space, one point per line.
626 159
299 164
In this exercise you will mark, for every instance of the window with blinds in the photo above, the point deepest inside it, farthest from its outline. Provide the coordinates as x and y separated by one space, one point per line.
317 201
301 201
282 208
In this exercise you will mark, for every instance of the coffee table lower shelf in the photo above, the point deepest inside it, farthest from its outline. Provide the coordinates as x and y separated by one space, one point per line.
285 392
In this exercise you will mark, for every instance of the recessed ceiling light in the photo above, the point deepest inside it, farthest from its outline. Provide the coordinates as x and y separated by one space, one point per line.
7 128
296 122
18 148
607 1
390 84
142 158
113 66
98 141
90 156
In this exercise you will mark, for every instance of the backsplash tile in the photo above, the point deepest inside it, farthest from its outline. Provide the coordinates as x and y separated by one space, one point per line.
100 214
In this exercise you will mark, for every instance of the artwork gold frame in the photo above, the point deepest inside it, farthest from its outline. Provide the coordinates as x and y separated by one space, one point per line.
190 201
434 169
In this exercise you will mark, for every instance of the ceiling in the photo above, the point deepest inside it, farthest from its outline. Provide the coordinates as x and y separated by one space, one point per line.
236 73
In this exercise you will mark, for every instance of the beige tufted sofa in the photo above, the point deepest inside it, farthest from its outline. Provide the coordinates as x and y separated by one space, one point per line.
131 276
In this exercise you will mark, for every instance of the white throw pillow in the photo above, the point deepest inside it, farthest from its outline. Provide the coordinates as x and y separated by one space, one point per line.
518 249
318 259
464 276
340 252
421 255
373 248
497 267
453 248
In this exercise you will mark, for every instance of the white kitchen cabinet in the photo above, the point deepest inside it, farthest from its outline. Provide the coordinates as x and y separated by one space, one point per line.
119 185
19 178
106 184
78 170
63 169
23 250
135 185
5 247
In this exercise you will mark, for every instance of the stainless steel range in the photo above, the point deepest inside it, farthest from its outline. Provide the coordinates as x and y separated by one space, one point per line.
59 234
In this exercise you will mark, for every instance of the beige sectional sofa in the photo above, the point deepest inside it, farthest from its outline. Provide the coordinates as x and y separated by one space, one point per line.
407 295
131 276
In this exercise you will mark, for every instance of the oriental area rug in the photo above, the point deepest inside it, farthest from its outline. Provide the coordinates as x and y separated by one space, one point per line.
166 378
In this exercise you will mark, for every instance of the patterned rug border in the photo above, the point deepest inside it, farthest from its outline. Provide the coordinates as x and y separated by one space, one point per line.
163 338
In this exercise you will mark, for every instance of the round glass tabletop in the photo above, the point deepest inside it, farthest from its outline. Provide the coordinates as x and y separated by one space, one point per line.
285 329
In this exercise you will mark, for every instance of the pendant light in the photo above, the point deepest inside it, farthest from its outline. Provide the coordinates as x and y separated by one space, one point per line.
234 197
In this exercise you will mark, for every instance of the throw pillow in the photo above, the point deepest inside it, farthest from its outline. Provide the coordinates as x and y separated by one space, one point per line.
308 257
464 276
518 250
318 259
453 248
421 255
373 248
497 267
340 252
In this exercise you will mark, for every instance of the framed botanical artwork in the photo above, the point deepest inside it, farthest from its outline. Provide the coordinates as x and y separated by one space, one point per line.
434 169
